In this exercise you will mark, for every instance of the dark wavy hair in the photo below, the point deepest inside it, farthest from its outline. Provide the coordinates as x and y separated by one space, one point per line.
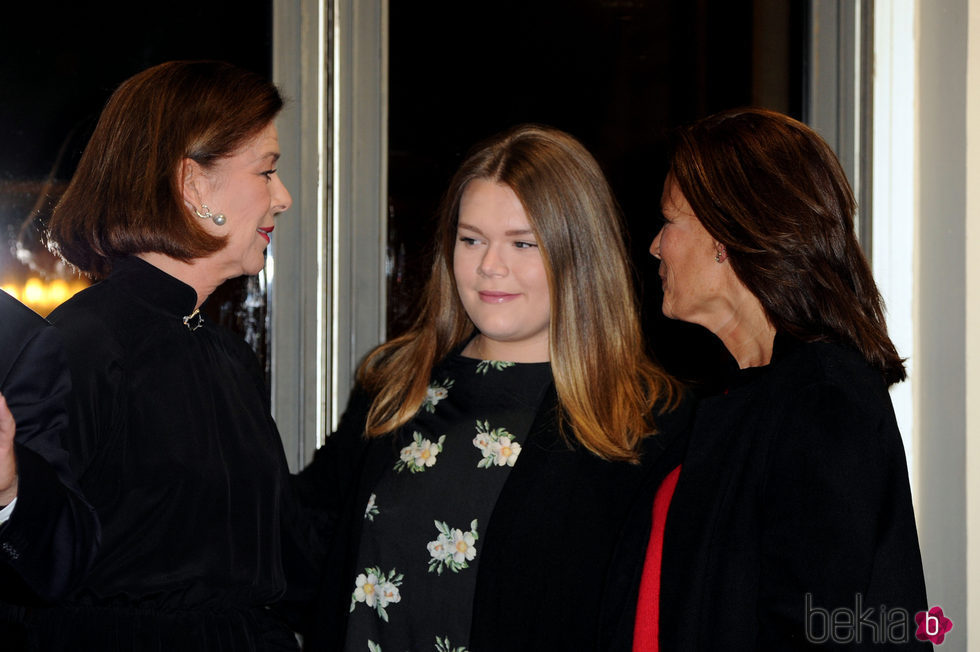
125 196
772 191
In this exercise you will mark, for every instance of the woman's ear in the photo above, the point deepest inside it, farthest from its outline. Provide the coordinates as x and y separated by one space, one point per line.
721 253
192 182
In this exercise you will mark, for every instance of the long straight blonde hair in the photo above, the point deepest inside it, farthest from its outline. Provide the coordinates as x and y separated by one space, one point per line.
608 388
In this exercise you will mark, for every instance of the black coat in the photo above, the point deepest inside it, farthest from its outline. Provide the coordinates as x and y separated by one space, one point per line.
793 501
52 535
558 498
51 538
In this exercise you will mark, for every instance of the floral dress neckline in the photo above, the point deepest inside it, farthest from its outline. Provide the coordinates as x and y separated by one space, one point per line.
424 523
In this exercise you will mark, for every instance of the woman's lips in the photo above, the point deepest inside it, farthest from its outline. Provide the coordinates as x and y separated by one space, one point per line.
264 231
496 297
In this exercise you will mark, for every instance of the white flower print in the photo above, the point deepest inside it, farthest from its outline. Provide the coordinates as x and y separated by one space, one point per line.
443 645
377 590
420 454
463 546
483 442
438 550
407 454
484 366
425 455
371 510
388 594
435 393
452 548
497 446
373 647
365 589
505 451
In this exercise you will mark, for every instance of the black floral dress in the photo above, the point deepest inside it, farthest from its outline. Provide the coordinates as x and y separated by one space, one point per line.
420 540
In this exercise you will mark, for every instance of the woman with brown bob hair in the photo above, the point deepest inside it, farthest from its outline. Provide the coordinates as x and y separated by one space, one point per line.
479 478
792 502
171 436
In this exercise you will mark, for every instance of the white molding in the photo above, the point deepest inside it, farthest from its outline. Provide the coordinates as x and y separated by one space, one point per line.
360 182
838 103
327 282
893 181
973 324
296 256
941 267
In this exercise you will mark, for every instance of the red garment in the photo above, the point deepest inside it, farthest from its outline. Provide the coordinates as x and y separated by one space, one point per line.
646 629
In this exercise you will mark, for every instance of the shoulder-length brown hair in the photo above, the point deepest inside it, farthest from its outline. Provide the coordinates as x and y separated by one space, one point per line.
125 196
607 386
773 192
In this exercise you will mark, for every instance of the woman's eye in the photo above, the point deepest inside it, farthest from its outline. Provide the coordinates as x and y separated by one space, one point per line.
466 240
268 174
520 244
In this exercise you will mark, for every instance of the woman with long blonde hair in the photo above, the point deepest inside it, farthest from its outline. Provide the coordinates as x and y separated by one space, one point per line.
476 486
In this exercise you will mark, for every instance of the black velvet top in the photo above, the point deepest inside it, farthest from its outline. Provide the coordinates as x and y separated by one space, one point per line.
174 445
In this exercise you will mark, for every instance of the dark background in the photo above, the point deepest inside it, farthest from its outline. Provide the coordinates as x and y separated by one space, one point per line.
617 74
59 62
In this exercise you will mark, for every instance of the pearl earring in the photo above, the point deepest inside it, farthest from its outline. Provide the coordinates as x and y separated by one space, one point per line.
218 219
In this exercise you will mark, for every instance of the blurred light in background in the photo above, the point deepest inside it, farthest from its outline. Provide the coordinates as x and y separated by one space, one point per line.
43 296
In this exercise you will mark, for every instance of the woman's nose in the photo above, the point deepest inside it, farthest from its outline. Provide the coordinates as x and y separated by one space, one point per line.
281 199
655 245
491 264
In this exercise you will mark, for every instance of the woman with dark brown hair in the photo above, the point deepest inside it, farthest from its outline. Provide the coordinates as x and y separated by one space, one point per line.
792 502
481 474
171 436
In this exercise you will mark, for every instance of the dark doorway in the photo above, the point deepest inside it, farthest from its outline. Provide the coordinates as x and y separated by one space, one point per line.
618 74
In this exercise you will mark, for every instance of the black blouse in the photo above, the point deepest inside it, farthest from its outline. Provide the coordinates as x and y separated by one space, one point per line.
421 532
174 444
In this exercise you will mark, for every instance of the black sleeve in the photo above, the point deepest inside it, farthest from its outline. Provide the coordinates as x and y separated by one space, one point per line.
325 483
838 529
317 497
51 538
